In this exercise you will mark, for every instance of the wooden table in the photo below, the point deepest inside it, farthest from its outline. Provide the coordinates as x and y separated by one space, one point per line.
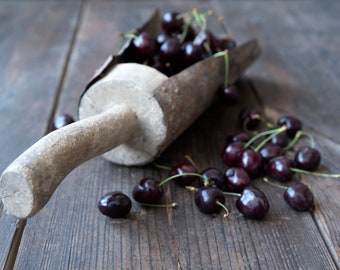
49 50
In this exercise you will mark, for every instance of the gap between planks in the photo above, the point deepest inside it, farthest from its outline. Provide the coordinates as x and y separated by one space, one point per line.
318 223
14 248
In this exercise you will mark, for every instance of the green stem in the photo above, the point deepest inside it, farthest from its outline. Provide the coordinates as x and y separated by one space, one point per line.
179 175
264 133
297 136
226 65
266 140
162 167
315 173
232 193
224 207
171 205
266 180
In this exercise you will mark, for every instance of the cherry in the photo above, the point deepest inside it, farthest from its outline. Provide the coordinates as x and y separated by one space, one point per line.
251 161
144 45
270 150
280 139
170 52
299 197
115 204
221 44
180 170
307 158
148 191
230 94
60 121
279 168
236 178
292 124
253 203
160 38
250 118
191 54
172 22
241 136
232 152
229 43
212 176
209 199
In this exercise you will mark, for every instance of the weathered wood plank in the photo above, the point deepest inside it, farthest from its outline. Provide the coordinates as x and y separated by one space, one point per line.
73 234
34 43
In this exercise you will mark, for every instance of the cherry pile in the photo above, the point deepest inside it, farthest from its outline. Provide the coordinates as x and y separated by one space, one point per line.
184 40
275 155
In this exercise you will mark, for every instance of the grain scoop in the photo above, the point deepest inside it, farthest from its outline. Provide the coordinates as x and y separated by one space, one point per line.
129 113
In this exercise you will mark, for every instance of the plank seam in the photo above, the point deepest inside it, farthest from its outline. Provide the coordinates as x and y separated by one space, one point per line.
60 86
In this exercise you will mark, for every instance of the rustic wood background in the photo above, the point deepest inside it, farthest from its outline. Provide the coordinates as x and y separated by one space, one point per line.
49 50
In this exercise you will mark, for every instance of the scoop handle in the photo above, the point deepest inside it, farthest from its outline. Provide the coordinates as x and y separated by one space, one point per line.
30 180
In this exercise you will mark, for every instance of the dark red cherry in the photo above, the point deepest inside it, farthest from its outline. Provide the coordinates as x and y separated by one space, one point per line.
180 170
148 191
253 203
250 118
280 139
278 169
144 45
236 178
171 22
307 158
60 121
160 38
299 197
212 177
230 94
251 161
270 150
292 123
220 44
207 199
232 152
190 54
170 50
229 43
115 204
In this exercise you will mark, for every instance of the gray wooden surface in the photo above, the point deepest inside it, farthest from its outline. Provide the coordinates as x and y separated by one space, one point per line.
49 50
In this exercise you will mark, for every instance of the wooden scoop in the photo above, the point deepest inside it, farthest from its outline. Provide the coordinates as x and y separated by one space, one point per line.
130 116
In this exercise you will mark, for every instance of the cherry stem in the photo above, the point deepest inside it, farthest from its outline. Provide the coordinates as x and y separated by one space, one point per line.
232 194
191 161
226 65
266 180
271 132
179 175
315 173
191 188
224 207
171 205
279 130
297 137
162 167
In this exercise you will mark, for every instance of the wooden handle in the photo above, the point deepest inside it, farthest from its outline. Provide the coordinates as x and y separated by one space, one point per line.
29 182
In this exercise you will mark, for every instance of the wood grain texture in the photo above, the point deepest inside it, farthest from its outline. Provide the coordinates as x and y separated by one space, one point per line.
70 233
70 226
34 42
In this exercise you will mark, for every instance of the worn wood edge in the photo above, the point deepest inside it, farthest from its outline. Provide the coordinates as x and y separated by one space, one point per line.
29 181
200 82
133 85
